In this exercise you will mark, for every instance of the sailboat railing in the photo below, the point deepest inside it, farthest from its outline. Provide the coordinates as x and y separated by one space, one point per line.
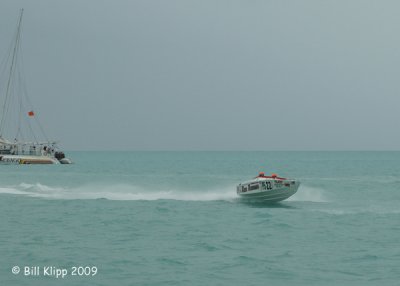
28 148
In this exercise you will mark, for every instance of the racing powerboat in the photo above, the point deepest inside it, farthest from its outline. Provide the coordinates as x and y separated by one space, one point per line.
267 188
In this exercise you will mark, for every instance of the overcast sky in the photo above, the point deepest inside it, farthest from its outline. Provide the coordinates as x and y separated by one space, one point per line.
212 75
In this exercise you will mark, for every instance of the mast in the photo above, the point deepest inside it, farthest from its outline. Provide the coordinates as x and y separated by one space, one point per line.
12 70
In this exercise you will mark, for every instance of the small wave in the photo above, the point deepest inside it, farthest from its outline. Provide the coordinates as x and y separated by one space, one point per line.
118 192
309 194
376 210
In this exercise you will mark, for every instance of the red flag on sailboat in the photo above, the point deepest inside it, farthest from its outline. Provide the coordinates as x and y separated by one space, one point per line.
31 113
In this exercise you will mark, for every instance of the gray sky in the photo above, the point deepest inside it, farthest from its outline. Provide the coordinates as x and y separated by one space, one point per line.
212 75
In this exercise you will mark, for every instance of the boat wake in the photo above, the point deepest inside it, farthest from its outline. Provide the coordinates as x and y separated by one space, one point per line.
118 192
135 193
309 194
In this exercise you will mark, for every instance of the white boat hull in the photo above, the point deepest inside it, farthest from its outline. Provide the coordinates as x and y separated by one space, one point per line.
26 159
267 190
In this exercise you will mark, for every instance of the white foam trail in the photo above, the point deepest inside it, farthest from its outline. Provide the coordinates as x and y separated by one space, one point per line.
135 193
14 191
374 210
119 192
309 194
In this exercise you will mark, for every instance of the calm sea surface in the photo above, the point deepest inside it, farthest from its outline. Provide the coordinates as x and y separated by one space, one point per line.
173 218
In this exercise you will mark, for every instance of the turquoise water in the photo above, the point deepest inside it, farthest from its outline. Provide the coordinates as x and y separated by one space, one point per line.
173 218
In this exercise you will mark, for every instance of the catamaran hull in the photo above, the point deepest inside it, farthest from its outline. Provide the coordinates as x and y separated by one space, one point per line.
21 159
65 161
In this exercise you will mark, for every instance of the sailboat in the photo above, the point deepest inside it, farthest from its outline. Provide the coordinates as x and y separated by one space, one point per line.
19 120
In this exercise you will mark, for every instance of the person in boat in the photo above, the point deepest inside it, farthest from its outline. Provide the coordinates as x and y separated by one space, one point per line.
273 176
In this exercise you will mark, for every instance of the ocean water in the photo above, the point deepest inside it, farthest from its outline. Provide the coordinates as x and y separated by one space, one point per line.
173 218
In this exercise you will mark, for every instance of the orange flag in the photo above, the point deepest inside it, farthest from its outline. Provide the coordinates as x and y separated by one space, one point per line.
31 113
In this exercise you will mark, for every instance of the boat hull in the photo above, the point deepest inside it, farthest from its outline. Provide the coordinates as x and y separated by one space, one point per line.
268 191
27 160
